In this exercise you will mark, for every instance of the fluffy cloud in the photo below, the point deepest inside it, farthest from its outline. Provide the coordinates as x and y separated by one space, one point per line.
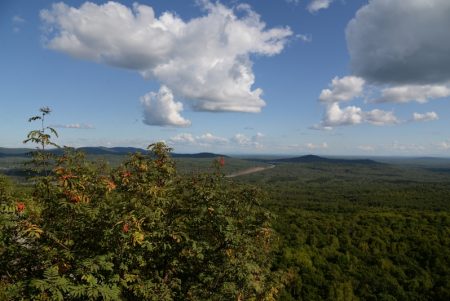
205 60
445 145
209 140
184 138
335 116
429 116
316 5
398 42
379 117
243 140
161 109
313 146
83 126
307 38
342 89
402 51
204 140
345 89
409 93
321 127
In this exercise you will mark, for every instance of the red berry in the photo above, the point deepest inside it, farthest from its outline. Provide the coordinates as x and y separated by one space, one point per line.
221 161
20 207
125 228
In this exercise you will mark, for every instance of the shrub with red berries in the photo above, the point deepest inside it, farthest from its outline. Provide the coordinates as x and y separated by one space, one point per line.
222 161
137 232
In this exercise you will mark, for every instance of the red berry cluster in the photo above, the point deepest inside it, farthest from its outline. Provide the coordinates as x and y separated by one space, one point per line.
20 207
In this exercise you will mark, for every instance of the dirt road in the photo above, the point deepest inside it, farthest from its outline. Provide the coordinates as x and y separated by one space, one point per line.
249 171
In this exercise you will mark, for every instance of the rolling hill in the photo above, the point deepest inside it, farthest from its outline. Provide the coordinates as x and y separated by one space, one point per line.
318 159
120 151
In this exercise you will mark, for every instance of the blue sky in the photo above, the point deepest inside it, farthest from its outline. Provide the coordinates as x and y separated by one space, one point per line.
275 76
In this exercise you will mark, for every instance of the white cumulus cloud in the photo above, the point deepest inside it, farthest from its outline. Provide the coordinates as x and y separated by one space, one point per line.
184 138
398 50
313 146
205 140
429 116
316 5
343 89
253 141
335 116
445 145
409 93
307 38
206 60
209 138
83 126
380 117
346 89
162 109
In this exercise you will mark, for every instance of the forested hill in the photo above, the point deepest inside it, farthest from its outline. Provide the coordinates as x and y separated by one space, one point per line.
121 151
318 159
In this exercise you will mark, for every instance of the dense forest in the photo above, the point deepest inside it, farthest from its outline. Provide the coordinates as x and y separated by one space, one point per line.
361 232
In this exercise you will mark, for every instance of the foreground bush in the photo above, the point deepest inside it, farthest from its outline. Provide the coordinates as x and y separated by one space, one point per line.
139 232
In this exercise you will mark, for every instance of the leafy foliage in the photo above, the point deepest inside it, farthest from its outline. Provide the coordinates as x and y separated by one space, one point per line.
137 232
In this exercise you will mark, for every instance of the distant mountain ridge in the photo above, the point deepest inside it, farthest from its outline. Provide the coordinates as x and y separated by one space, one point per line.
121 151
318 159
14 152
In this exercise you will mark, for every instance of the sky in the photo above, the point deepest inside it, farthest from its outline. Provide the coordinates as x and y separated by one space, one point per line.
328 77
